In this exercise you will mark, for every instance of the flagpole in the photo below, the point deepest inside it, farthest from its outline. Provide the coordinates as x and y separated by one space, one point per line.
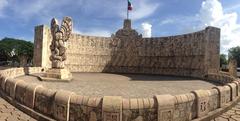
127 14
127 10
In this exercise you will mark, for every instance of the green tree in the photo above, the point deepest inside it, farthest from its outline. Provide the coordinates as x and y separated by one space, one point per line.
16 50
223 59
234 53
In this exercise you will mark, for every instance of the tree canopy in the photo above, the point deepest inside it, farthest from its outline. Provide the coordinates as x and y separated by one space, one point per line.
234 53
13 49
223 60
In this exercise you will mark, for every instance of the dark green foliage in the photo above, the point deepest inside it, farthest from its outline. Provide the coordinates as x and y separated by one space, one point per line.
223 59
234 53
12 49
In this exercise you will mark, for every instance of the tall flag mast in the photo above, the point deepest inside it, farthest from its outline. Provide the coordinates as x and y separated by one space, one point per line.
129 7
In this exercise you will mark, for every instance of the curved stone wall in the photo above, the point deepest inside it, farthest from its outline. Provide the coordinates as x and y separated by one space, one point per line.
47 104
194 54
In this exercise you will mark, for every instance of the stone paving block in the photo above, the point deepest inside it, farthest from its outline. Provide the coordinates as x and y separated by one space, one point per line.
10 113
221 119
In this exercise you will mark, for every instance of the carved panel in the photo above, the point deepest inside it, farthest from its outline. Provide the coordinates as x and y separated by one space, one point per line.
109 116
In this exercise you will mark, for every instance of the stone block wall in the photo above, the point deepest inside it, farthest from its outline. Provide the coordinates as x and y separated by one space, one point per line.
194 54
43 103
42 41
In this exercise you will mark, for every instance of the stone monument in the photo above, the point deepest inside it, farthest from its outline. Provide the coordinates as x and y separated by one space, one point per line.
126 42
60 35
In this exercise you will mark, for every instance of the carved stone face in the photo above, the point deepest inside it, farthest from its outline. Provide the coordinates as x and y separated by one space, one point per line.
59 36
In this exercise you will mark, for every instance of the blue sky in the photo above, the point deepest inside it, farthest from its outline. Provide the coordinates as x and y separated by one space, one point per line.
103 17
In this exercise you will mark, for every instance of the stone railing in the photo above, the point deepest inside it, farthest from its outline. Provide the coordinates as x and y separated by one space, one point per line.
47 104
221 78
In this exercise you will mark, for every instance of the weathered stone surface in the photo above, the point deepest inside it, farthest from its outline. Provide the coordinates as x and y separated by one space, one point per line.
225 94
3 80
25 93
21 91
232 67
233 90
61 105
30 94
57 75
202 97
231 115
193 54
10 113
112 108
42 42
140 109
44 100
99 84
185 107
238 87
10 87
59 38
165 107
84 108
214 99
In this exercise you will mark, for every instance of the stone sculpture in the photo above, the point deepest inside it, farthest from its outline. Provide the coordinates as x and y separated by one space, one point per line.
60 35
59 38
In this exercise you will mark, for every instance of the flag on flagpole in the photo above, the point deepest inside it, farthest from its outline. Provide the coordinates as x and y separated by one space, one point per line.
130 5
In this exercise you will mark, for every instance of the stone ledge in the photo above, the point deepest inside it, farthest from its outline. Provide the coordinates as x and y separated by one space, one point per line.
213 114
54 79
25 109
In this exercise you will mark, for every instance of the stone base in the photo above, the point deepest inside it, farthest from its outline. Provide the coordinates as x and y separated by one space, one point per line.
62 75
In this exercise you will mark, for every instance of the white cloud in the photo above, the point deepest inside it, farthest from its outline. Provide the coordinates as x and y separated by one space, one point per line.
94 32
167 21
3 4
147 29
141 9
41 9
212 14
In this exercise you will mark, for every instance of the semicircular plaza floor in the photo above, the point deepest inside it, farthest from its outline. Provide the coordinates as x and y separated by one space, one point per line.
125 85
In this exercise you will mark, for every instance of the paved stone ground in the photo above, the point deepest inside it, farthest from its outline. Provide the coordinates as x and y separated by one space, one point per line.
126 85
231 115
10 113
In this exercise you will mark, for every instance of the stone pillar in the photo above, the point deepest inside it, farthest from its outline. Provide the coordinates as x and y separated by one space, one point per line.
42 40
212 50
